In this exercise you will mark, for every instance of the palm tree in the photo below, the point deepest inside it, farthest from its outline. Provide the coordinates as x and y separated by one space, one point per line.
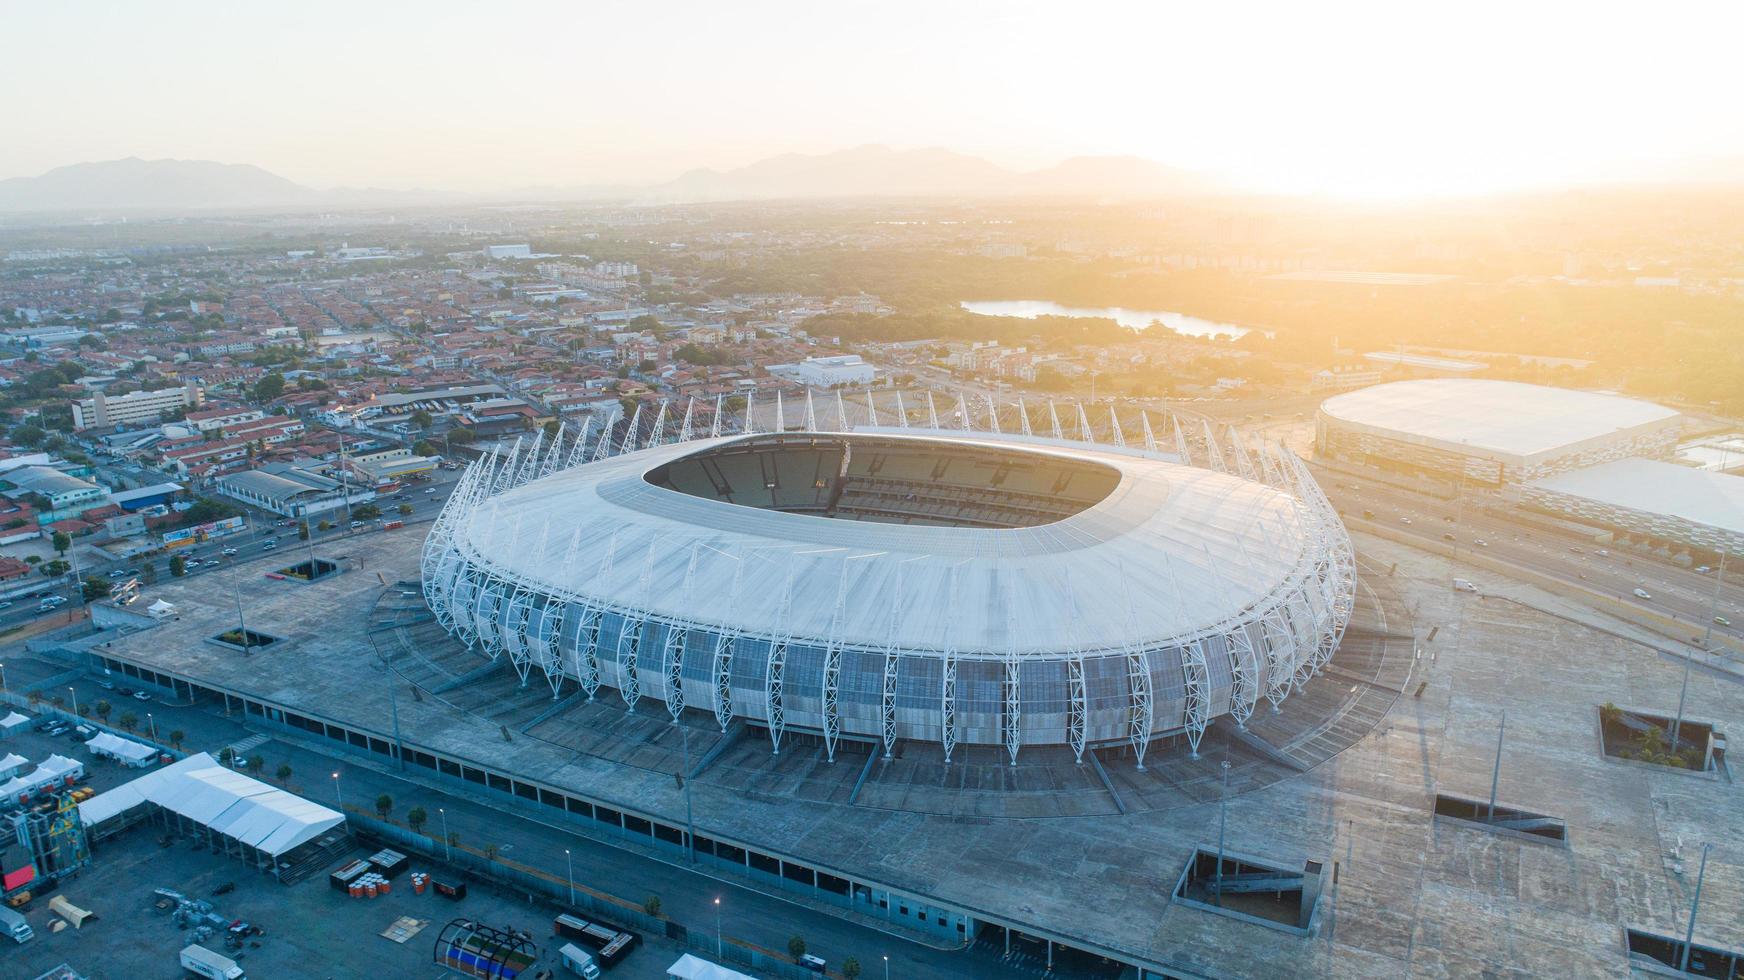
103 709
256 764
176 737
415 819
128 721
383 804
284 774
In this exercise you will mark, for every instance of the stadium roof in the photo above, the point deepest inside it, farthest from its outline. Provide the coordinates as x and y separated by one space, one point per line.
1503 417
1171 551
1696 495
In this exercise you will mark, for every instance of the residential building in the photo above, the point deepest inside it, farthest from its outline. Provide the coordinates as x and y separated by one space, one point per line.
133 408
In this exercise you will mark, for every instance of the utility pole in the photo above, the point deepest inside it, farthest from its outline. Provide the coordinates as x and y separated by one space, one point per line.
689 821
1496 774
1222 814
1689 936
1707 638
447 852
241 624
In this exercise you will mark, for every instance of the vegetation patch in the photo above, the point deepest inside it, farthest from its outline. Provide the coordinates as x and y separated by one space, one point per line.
245 639
1641 737
310 570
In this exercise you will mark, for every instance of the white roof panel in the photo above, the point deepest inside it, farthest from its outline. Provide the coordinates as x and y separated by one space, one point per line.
1171 551
1503 417
229 802
1698 496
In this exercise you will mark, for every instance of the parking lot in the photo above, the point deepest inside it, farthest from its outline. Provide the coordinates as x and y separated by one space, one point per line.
308 929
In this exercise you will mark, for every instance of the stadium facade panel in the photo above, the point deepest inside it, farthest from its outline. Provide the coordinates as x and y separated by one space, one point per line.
876 585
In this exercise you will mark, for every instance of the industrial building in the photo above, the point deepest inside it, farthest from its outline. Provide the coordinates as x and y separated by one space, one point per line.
291 491
951 589
834 371
133 408
1489 433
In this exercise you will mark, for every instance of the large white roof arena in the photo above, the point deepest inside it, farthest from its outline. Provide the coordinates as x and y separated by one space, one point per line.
943 586
1507 419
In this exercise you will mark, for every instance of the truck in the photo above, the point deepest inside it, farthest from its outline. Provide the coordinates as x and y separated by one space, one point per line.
609 945
578 961
13 924
201 961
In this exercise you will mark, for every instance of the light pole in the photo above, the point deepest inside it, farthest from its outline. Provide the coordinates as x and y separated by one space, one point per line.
2 677
570 861
717 927
1222 812
75 695
152 725
447 853
1496 773
1689 937
337 794
887 968
1707 640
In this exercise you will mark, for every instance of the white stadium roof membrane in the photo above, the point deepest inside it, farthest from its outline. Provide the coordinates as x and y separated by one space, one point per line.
1654 487
1172 550
1502 417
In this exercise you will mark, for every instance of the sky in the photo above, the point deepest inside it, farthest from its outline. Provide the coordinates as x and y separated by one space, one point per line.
1367 100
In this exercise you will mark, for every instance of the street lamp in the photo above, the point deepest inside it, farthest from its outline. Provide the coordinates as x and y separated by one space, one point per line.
338 795
717 927
570 861
886 968
2 677
75 695
152 725
447 853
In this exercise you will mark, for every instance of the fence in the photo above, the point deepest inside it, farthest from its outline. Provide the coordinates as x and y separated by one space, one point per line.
586 900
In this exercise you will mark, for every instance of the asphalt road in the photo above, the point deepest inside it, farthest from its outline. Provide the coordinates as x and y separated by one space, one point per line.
1675 591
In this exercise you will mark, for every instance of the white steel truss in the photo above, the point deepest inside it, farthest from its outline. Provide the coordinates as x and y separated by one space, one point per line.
1010 693
948 673
1114 426
1054 419
776 668
932 412
901 412
632 623
672 648
892 661
1141 717
841 412
723 655
720 411
833 669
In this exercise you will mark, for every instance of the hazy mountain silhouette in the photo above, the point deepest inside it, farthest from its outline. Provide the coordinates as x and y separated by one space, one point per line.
878 171
150 184
863 171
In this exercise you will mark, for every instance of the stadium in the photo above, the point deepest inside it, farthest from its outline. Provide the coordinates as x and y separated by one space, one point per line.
1490 433
883 584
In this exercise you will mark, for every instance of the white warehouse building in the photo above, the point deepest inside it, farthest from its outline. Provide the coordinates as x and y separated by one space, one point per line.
1489 433
834 371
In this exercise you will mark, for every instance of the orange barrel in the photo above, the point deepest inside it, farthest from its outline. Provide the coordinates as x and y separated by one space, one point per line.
418 886
356 890
370 889
384 887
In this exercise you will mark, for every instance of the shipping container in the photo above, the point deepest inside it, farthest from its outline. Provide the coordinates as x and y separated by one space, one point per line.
609 944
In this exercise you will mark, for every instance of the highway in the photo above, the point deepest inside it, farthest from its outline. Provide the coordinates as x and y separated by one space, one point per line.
1675 591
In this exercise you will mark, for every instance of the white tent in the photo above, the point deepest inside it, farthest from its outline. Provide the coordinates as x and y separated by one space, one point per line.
161 609
689 967
125 750
239 807
53 771
10 765
12 724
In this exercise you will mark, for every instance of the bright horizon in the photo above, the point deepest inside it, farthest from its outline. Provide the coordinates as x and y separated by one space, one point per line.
1365 100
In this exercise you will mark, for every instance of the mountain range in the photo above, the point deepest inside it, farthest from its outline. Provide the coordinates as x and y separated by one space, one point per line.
864 171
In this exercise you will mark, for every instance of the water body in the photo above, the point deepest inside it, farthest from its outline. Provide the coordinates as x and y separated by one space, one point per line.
1181 323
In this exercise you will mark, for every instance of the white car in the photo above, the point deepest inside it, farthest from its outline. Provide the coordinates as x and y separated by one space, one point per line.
1722 621
1642 594
1404 520
229 552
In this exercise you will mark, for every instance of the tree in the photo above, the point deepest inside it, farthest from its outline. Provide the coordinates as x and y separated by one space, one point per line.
652 905
302 530
645 365
416 817
95 588
128 720
405 509
365 512
421 420
256 765
424 447
55 569
28 435
178 566
284 774
551 428
490 852
148 573
851 968
226 755
103 709
383 805
176 736
796 947
269 387
61 541
324 525
462 436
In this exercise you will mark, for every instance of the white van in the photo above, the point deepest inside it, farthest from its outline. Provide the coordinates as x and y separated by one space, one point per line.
12 923
1464 585
579 962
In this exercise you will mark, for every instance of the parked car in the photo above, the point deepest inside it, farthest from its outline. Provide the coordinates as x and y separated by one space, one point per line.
1404 520
1642 594
357 524
106 685
141 696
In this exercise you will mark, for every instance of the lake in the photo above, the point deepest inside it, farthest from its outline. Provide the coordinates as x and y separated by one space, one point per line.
1181 323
